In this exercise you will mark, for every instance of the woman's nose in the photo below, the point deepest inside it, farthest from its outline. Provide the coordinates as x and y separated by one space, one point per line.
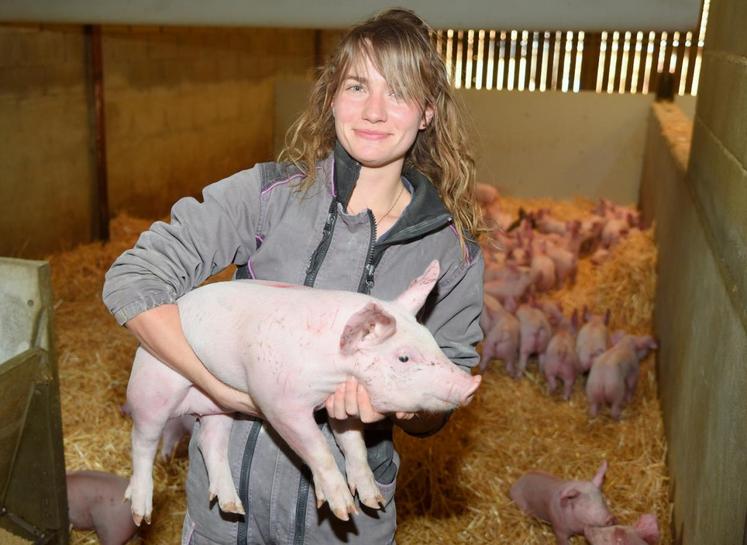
374 110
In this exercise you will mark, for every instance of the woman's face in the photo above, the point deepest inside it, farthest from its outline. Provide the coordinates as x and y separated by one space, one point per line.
374 124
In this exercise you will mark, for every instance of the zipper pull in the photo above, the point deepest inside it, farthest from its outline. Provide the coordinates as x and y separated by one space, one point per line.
328 224
369 277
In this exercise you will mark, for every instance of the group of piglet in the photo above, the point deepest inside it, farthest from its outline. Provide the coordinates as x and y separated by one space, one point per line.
575 507
538 253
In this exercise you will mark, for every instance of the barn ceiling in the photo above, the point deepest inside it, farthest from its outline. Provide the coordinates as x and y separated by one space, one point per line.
500 14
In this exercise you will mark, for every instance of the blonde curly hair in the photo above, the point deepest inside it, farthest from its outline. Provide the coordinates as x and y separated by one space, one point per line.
398 43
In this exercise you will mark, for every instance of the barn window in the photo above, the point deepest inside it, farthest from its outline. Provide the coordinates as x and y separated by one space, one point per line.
610 61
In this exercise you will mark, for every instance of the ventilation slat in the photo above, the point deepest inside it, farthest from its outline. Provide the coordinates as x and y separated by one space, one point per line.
610 61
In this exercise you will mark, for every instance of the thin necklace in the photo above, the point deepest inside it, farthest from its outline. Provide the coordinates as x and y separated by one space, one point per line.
401 189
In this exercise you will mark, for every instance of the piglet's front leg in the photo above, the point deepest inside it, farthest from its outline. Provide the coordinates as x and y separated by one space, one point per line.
297 427
349 436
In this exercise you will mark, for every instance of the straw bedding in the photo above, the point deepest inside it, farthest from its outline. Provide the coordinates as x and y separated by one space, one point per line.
452 487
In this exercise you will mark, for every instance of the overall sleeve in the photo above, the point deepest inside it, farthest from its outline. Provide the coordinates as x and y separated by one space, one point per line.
202 239
454 319
455 316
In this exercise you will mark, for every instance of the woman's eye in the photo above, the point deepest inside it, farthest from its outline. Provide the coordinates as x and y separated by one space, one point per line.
355 87
404 359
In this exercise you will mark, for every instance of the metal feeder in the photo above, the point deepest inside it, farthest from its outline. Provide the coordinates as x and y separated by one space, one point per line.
33 501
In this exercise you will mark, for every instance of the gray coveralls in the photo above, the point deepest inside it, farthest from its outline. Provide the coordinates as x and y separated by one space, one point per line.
257 220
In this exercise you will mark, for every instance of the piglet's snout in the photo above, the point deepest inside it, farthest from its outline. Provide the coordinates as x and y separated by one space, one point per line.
455 389
476 379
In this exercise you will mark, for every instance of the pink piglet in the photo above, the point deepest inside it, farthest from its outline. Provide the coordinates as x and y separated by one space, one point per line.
560 360
569 505
614 375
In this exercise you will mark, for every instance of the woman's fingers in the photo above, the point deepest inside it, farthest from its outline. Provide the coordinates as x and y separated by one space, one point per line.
351 400
338 403
351 397
367 413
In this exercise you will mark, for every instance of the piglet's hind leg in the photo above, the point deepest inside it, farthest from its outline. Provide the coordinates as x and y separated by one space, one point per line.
215 431
153 393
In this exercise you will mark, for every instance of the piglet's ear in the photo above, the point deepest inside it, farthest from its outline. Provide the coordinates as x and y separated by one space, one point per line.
599 477
568 496
413 298
366 328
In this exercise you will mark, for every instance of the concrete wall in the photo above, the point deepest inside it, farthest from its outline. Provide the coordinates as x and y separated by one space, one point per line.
184 107
701 300
45 162
686 103
291 95
560 145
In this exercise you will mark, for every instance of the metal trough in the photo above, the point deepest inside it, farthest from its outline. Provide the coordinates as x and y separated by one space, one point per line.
33 502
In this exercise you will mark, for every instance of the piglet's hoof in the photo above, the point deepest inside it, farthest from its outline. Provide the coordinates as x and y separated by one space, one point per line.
361 480
140 503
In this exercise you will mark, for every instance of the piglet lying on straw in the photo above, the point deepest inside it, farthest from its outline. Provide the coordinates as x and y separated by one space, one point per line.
570 506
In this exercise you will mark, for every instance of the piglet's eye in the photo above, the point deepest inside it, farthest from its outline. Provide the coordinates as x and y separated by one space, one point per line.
404 359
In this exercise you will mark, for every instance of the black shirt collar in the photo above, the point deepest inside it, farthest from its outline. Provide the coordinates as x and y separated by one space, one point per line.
425 205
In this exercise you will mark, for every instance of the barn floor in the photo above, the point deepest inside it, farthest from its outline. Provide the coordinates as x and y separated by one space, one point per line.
453 487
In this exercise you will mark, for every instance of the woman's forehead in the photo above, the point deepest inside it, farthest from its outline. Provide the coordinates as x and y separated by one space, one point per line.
365 64
361 67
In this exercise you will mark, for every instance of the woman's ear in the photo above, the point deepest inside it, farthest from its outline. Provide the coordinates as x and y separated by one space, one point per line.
427 118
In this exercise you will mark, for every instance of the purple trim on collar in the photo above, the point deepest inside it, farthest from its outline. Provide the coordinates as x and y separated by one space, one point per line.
273 186
250 269
259 239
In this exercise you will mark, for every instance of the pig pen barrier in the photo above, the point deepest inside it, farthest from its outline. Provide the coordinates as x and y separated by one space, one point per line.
33 504
452 487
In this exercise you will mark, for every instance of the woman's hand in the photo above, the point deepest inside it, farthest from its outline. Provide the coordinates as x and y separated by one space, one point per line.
233 400
351 399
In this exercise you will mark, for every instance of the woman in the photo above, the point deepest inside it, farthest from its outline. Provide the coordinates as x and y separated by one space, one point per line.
376 181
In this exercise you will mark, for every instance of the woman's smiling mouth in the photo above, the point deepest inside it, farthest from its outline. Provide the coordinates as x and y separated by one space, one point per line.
370 135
